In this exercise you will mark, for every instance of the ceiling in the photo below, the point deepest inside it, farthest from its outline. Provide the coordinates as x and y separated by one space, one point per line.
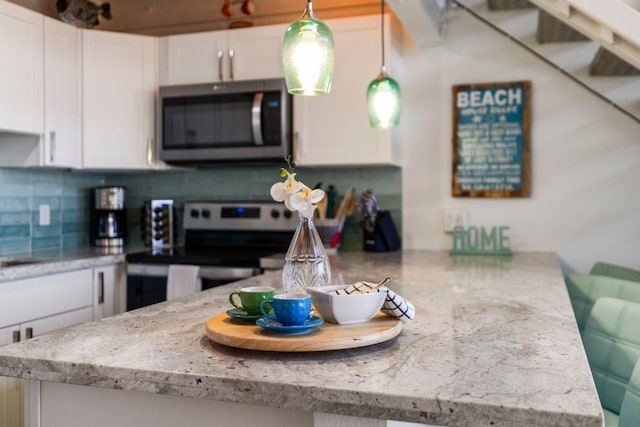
162 17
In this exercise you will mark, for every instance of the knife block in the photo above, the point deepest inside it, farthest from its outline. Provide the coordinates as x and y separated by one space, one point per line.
384 237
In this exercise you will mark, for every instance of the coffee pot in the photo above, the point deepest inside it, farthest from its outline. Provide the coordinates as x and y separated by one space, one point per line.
108 216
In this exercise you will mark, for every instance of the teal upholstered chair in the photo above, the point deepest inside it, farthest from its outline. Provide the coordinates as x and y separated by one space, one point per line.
612 342
615 271
630 410
585 289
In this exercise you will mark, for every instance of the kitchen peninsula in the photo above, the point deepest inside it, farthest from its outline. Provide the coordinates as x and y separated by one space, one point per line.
494 342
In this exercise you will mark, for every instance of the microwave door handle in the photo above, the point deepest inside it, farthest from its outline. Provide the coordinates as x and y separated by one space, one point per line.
256 118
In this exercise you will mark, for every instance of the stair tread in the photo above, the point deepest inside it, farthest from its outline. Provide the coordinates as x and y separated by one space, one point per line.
573 57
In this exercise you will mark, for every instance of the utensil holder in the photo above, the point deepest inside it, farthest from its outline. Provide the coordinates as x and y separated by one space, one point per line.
384 237
330 231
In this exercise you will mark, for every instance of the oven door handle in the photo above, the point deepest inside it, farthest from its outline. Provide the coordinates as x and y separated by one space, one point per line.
206 272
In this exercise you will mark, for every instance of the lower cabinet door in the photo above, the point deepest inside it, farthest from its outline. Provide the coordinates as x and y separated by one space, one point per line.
55 322
11 389
11 402
106 290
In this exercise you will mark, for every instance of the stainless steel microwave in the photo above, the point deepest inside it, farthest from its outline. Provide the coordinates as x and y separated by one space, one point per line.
232 122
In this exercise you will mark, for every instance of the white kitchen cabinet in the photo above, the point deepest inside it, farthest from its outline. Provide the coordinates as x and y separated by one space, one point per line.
61 140
333 129
257 52
33 298
107 283
11 389
215 56
34 306
118 98
47 324
21 75
11 414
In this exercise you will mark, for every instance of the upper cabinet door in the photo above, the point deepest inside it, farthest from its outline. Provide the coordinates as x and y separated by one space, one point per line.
334 129
216 56
119 87
21 70
62 95
256 53
193 58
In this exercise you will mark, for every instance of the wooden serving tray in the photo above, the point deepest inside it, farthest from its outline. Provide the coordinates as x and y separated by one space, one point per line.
223 329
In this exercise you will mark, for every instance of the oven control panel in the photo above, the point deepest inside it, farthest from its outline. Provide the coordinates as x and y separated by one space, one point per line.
264 216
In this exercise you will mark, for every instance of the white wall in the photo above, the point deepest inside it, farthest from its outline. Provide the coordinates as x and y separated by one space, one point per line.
585 193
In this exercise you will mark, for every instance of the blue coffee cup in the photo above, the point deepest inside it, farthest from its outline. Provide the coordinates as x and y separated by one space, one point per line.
289 309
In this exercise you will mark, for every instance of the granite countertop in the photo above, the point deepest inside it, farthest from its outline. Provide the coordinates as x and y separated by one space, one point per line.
56 261
494 342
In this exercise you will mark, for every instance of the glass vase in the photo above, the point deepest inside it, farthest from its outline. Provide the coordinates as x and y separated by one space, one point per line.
306 264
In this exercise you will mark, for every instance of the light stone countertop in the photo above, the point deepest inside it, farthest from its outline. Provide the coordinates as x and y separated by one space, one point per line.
57 261
494 342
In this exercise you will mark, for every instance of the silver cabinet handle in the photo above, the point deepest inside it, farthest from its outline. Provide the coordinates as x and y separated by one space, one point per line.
256 118
101 287
296 146
52 145
220 58
16 336
231 55
149 151
29 333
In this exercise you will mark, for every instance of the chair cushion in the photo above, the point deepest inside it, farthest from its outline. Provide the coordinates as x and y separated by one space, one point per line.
585 289
612 343
630 410
610 419
615 271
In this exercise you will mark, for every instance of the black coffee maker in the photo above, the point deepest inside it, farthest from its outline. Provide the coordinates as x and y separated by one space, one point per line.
108 218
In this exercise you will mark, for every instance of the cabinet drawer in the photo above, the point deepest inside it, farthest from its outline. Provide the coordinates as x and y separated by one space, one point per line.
33 298
57 322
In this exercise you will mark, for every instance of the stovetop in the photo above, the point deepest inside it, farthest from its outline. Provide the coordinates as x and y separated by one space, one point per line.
203 257
233 234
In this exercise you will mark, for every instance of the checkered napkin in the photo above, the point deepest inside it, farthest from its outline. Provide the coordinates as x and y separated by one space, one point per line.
394 304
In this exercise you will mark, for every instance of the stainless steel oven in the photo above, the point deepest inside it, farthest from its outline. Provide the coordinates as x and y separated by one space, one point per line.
229 241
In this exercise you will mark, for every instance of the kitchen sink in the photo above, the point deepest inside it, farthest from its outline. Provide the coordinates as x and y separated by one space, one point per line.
4 263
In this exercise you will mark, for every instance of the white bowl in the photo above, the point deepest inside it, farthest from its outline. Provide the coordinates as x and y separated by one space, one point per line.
343 309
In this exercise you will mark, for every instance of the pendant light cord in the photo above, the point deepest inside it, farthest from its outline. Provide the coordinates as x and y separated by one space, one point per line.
382 32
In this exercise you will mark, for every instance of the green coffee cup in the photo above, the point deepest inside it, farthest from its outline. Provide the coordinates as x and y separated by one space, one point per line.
251 297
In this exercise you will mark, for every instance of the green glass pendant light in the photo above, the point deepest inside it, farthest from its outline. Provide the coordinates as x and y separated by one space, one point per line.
307 55
383 95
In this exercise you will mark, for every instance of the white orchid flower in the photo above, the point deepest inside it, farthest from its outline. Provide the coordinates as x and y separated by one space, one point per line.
278 192
295 195
281 190
305 200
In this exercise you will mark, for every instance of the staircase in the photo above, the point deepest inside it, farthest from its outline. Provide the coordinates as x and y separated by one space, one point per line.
591 44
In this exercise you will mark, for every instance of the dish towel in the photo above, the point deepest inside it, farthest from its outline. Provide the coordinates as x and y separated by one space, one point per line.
183 280
394 304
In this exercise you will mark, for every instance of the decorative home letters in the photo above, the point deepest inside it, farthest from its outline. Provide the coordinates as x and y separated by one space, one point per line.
481 241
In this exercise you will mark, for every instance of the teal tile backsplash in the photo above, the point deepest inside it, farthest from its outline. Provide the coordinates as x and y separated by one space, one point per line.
22 191
253 183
